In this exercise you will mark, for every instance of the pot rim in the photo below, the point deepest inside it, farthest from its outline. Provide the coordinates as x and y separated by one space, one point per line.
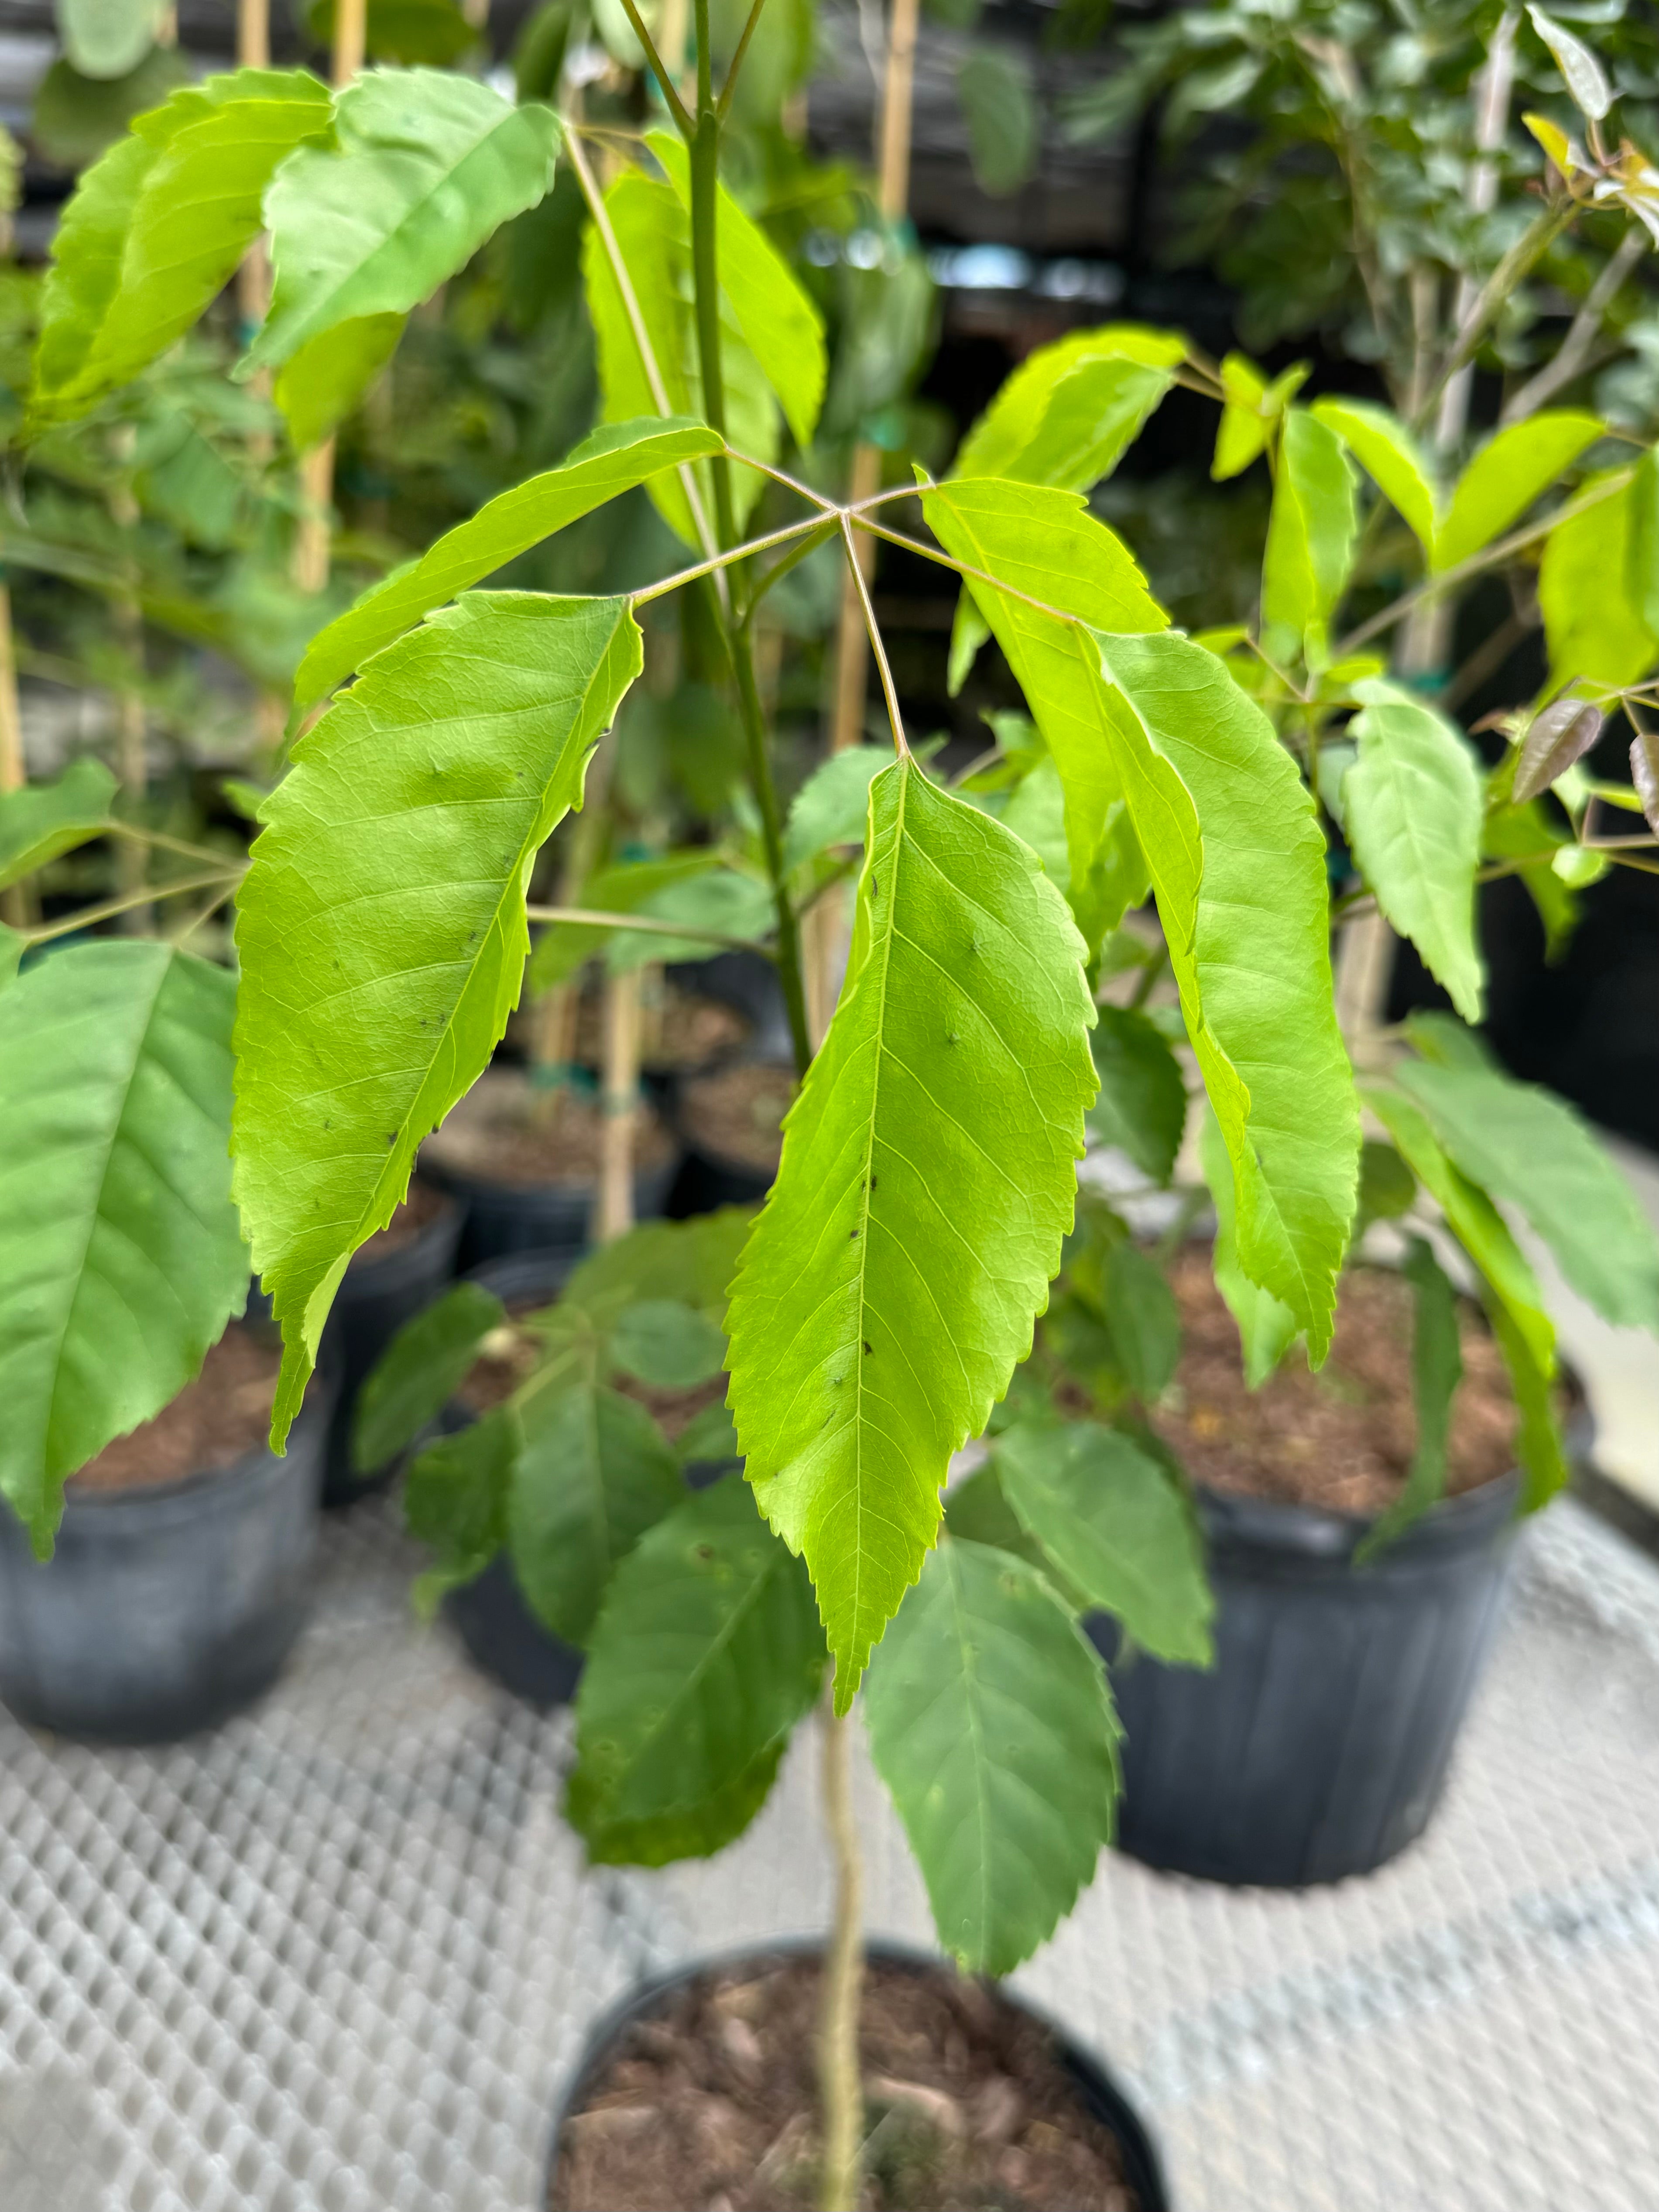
137 1497
1147 2173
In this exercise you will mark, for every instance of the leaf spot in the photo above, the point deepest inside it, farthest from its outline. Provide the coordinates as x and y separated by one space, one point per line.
868 1345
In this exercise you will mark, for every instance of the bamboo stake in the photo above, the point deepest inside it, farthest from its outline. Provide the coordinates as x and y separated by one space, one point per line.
15 904
621 1105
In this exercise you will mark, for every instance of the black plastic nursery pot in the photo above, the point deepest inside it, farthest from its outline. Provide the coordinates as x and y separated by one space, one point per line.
747 981
376 1297
164 1608
1098 2091
504 1219
1318 1745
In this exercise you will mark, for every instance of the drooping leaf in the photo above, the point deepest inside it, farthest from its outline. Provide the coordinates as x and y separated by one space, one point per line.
615 459
991 1724
779 319
1413 806
124 1260
1266 1326
669 1345
1310 538
1238 863
1042 545
108 38
455 1500
44 819
594 1473
625 887
1390 456
1436 1369
328 377
1115 1522
1142 1106
993 85
1586 80
706 1654
1504 478
426 165
1592 626
1528 1148
1561 734
416 1374
1145 1321
381 927
1071 409
832 805
157 228
928 1177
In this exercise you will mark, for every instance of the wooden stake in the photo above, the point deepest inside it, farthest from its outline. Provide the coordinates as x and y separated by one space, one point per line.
621 1105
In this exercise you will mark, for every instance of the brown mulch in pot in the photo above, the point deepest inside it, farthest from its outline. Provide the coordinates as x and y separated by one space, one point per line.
711 2104
212 1423
1342 1439
737 1114
505 1131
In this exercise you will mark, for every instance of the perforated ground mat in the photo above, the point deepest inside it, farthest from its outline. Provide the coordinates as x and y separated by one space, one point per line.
338 1957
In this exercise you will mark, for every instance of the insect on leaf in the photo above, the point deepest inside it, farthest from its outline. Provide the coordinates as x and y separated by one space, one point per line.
927 1180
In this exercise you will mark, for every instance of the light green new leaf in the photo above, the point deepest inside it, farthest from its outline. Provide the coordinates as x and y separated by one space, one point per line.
1071 410
1044 544
706 1654
1143 1318
108 37
1436 1369
427 166
418 1372
1310 536
1238 863
991 1723
155 230
1116 1523
382 928
44 819
1266 1326
1642 540
1528 1148
927 1180
1593 625
1413 805
1142 1106
615 459
670 1345
327 378
1250 411
1391 457
780 321
832 805
124 1260
1504 478
594 1473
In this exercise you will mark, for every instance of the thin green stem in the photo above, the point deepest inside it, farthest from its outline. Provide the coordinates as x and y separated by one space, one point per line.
593 918
790 972
140 835
731 84
660 590
706 279
888 691
677 106
1534 242
818 533
87 916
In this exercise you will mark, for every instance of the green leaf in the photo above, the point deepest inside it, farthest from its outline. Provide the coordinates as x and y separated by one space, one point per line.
1238 864
155 230
1436 1369
1310 538
108 38
991 1724
725 899
1388 1188
1642 540
13 947
434 31
43 820
1044 544
455 1500
1117 1523
1507 475
1514 832
1036 812
832 805
419 1371
124 1260
669 1345
705 1655
927 1180
1145 1321
1592 626
1528 1148
75 119
993 85
708 1438
1266 1326
615 459
381 927
427 166
1249 413
690 1262
1585 79
780 321
594 1473
327 378
625 888
1413 805
1071 410
1142 1106
1391 457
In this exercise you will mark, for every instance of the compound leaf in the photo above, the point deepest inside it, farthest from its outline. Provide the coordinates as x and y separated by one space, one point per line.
927 1180
44 819
382 928
123 1256
1504 478
991 1723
